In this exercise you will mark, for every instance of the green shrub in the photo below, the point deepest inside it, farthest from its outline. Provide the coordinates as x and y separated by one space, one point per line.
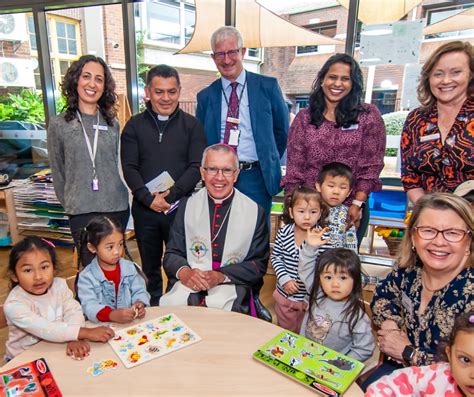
26 106
393 125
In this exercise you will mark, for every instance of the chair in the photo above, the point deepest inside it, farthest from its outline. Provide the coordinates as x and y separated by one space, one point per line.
71 283
3 320
3 333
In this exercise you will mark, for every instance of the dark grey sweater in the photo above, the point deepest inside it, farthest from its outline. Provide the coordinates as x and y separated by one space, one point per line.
72 167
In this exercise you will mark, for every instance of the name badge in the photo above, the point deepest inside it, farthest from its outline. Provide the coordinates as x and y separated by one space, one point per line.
351 127
100 127
234 136
233 120
407 303
95 185
426 138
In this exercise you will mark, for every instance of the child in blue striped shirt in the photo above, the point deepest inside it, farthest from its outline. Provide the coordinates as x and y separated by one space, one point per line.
304 209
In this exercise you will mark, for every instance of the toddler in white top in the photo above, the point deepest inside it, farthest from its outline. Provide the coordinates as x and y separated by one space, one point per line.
41 306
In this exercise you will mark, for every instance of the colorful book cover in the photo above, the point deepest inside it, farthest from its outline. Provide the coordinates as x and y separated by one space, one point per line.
314 365
151 339
33 379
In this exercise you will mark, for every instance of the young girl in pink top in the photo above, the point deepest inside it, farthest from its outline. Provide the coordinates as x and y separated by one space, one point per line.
41 306
452 379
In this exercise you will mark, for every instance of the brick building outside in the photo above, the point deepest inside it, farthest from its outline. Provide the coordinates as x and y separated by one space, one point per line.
164 26
296 67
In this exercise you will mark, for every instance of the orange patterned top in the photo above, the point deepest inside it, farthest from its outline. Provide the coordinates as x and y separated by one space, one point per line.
430 164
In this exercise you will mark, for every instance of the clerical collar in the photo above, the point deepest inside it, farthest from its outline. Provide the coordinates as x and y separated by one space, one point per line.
220 201
159 117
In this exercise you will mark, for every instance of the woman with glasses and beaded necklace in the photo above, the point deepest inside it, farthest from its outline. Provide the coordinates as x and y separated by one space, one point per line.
433 283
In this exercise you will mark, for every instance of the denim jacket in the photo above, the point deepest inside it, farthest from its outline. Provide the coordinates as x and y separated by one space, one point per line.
96 292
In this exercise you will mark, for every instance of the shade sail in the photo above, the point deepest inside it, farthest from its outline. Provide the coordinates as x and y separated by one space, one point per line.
462 21
259 27
382 11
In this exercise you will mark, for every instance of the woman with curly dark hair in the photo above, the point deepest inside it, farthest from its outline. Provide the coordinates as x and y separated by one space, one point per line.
83 144
338 127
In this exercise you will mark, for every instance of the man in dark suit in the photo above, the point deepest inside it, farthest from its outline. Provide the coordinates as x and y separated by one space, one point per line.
246 111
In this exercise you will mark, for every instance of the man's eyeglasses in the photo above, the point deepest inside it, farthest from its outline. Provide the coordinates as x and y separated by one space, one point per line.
232 54
451 235
213 171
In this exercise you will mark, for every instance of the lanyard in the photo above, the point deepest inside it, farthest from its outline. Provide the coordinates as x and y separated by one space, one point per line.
92 151
238 99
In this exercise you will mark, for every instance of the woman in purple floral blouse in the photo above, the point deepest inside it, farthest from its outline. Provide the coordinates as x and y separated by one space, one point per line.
337 126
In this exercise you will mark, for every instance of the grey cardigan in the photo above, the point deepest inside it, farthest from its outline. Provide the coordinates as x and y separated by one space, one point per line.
72 168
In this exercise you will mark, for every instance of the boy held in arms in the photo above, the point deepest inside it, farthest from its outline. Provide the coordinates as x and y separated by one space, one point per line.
335 182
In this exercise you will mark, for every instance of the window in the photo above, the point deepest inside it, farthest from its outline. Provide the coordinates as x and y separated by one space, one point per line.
66 38
189 21
169 21
358 30
301 102
21 105
326 29
385 100
64 45
32 34
436 15
253 52
163 21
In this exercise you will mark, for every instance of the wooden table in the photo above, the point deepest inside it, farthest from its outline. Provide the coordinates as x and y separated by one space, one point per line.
220 364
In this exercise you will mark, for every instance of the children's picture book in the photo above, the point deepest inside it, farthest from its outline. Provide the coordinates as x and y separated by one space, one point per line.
32 379
151 339
324 370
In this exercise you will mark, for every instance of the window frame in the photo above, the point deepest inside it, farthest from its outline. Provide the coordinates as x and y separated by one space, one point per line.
320 48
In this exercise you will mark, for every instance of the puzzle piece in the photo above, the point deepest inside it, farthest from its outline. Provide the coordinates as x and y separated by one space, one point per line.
186 337
134 357
96 369
109 364
143 340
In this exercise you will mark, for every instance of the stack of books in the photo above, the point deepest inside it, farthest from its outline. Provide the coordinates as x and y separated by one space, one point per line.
38 210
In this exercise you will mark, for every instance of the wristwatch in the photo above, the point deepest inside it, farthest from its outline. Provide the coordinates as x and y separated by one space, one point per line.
408 353
358 203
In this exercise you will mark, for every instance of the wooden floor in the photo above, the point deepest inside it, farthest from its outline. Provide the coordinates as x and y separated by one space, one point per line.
66 269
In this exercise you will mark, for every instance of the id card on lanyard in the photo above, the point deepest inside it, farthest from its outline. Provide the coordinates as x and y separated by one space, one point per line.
92 150
233 118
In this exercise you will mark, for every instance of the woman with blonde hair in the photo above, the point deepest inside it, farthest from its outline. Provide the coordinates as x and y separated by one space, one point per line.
438 137
433 283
